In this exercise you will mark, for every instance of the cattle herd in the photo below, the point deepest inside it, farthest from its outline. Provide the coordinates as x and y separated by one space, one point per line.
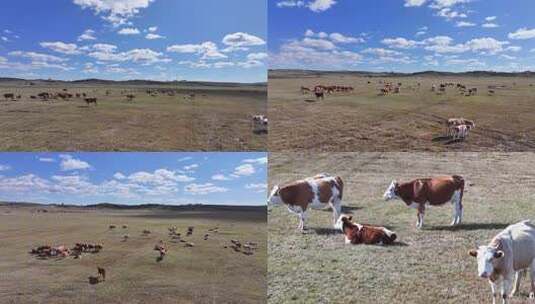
504 261
61 251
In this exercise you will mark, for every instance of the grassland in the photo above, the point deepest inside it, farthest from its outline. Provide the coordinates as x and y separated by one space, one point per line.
206 273
412 120
426 266
218 118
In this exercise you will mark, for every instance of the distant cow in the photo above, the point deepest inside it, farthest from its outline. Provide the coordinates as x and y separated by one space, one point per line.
102 273
319 92
363 234
432 191
316 192
260 124
9 96
112 226
89 101
506 258
130 97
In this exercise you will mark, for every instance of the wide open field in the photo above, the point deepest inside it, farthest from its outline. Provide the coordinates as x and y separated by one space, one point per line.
427 266
206 273
218 118
412 120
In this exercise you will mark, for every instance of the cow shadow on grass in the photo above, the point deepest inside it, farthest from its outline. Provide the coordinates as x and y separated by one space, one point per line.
469 226
325 231
345 209
441 138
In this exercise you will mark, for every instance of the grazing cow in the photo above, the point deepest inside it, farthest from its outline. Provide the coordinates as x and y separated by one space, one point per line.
506 258
432 191
491 92
89 101
453 122
316 192
146 232
319 92
190 231
112 227
9 96
130 97
460 132
363 234
102 273
260 124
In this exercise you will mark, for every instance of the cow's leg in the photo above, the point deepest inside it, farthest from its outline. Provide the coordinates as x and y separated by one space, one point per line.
518 277
302 218
457 208
507 284
420 219
494 293
532 277
337 209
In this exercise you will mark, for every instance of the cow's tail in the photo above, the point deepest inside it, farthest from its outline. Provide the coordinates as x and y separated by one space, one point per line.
460 186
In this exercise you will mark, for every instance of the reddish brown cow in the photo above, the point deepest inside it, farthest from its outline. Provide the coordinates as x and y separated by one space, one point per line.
317 192
362 233
432 191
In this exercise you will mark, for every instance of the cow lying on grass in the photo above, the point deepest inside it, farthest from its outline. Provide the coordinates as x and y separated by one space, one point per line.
364 234
507 257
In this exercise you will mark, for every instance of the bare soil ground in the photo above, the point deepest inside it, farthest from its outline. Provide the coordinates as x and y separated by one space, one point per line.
206 273
412 120
431 265
216 119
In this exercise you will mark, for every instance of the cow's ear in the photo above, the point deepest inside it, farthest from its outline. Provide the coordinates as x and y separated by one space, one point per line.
473 253
498 254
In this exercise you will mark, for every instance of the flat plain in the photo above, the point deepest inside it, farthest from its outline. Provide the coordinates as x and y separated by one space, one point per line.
205 273
431 265
411 120
161 117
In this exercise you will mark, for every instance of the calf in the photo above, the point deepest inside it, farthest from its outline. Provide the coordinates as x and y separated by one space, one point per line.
317 192
364 234
260 124
430 191
506 258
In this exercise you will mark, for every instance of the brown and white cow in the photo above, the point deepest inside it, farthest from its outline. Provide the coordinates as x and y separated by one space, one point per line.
430 191
362 233
506 258
316 192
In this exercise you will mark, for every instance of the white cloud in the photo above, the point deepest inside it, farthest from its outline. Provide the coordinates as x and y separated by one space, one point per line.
37 56
89 34
240 39
490 18
259 161
321 44
321 5
244 170
223 64
339 38
153 29
257 187
191 167
208 50
400 43
117 12
4 167
119 176
220 177
46 160
489 25
152 36
464 24
522 33
411 3
439 4
159 177
128 31
61 47
69 163
106 52
257 56
291 3
203 189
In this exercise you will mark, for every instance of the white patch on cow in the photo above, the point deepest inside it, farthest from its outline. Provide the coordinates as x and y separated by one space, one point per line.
315 203
388 232
390 192
457 210
347 241
274 198
485 258
339 225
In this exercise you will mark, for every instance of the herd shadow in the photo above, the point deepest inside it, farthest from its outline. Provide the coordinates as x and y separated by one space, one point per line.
469 226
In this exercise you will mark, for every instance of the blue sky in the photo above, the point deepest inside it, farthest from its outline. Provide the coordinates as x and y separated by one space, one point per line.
209 40
402 35
134 178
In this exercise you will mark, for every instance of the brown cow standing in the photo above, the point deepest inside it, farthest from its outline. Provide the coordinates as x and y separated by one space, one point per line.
362 233
102 273
91 100
433 191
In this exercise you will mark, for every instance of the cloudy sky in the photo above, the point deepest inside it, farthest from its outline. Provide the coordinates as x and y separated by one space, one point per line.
134 178
134 39
402 35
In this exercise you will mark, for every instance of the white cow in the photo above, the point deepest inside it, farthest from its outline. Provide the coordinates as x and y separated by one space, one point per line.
506 258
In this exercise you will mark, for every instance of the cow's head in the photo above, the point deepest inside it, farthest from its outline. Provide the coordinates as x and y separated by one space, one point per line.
344 218
274 197
487 258
390 192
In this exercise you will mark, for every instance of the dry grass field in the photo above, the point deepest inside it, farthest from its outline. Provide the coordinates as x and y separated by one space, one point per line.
412 120
427 266
218 118
205 273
